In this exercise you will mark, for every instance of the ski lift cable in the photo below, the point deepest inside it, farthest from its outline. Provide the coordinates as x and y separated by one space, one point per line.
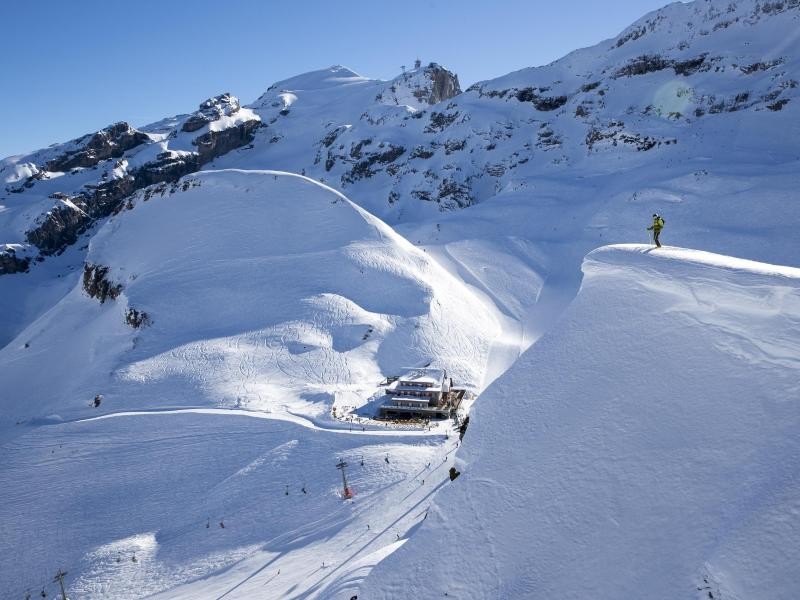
49 584
35 590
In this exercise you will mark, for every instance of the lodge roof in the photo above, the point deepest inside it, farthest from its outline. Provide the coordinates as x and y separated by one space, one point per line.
430 376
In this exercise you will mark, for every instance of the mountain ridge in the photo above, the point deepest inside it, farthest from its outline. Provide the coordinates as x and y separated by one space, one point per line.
394 165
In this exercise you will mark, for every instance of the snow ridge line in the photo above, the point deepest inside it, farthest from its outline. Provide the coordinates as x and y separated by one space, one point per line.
634 254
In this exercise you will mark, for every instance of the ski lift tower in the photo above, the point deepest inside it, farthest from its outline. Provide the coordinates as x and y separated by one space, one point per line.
59 578
347 492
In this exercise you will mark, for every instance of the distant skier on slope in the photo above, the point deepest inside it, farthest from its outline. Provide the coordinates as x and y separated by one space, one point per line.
656 227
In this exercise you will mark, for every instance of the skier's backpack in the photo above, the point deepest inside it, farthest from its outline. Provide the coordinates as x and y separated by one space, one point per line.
661 221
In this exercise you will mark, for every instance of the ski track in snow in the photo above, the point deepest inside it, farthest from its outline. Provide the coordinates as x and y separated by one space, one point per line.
134 443
275 416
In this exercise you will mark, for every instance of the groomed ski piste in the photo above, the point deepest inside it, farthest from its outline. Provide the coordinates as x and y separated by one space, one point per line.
272 300
645 447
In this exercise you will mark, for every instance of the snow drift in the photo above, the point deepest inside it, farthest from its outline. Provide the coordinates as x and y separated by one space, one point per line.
646 446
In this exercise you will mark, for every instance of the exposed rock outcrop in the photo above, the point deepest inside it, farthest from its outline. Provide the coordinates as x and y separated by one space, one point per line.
444 85
64 223
216 143
439 121
96 285
542 103
11 263
212 109
110 142
137 318
61 226
364 167
167 168
58 228
644 64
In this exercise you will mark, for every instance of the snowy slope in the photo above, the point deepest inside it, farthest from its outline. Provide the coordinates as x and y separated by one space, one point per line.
645 447
264 290
278 300
273 299
89 496
691 112
686 85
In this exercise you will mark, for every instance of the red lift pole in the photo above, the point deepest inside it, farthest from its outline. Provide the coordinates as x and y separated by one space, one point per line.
348 493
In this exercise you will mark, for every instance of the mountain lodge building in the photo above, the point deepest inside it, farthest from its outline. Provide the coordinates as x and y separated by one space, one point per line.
418 393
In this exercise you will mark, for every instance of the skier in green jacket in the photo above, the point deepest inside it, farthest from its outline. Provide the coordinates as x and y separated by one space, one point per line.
656 227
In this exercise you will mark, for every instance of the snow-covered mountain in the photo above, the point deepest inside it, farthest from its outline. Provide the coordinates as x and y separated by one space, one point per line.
64 189
224 281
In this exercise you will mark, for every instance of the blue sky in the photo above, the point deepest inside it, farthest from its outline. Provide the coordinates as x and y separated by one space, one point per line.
71 67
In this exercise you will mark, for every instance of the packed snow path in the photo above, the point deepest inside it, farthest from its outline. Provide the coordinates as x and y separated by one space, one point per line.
162 483
372 428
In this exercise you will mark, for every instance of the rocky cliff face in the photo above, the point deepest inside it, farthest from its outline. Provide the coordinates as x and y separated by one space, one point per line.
11 263
61 226
212 109
125 161
443 85
420 88
111 142
212 144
